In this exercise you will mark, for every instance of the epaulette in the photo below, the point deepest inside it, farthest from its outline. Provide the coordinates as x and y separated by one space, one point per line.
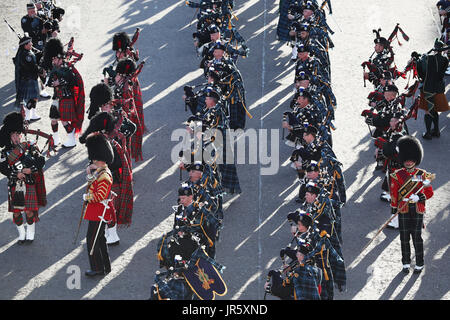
394 175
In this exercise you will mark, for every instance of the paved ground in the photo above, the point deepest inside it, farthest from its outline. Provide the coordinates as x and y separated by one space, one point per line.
255 227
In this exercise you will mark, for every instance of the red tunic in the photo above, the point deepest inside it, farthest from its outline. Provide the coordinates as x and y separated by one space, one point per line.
99 190
404 184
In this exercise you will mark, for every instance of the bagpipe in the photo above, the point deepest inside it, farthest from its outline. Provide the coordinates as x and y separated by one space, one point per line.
49 144
382 104
70 59
192 97
132 51
118 88
36 51
376 70
72 56
25 155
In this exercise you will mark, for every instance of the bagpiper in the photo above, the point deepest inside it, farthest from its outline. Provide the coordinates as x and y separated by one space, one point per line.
69 98
26 79
22 163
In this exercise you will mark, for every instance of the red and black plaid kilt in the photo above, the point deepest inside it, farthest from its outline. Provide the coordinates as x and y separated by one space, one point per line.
31 200
40 188
67 110
124 190
137 95
130 109
136 139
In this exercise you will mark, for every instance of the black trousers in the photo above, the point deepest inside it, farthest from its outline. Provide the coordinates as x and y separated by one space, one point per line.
99 261
410 226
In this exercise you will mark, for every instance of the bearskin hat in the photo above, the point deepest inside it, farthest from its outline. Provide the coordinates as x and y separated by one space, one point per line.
103 121
13 122
121 41
99 148
100 95
126 66
410 148
53 48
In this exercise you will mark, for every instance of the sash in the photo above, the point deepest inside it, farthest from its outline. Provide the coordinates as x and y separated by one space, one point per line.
409 187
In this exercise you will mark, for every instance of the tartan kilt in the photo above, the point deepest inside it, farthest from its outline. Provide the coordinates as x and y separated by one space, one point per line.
28 90
135 143
307 280
283 22
31 200
67 110
172 289
237 111
137 95
123 203
136 147
230 179
228 172
40 188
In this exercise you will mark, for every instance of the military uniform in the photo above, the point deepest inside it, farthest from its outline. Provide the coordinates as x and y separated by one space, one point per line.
26 80
410 188
100 207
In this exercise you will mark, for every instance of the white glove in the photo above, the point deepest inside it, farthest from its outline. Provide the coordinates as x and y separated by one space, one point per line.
414 198
426 182
85 196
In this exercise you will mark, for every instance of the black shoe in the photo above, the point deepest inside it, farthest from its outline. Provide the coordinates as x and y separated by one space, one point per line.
21 242
427 135
28 241
405 269
436 133
418 269
91 273
379 167
113 243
